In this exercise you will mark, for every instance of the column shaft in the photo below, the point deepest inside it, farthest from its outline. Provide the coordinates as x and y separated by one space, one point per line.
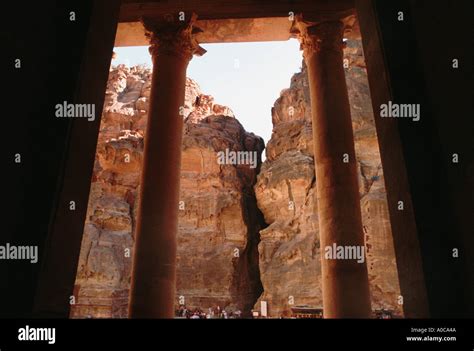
345 283
154 265
153 283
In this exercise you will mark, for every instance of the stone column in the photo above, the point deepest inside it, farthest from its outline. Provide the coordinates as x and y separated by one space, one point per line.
153 283
345 283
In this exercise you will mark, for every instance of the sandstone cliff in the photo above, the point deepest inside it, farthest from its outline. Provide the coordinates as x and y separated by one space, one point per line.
290 253
218 221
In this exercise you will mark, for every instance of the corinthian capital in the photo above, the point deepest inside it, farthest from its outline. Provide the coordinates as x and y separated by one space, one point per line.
170 36
317 36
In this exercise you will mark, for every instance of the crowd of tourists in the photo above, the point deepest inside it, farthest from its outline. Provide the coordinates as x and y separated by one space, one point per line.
210 313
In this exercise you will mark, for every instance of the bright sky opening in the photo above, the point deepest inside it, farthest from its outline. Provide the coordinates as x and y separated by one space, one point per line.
247 77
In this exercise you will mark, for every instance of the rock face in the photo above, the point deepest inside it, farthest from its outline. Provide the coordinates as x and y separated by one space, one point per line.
290 253
218 222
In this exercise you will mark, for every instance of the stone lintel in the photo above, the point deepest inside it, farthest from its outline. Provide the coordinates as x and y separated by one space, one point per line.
133 10
223 31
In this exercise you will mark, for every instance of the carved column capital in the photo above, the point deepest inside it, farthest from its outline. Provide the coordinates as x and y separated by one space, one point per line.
315 37
169 35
